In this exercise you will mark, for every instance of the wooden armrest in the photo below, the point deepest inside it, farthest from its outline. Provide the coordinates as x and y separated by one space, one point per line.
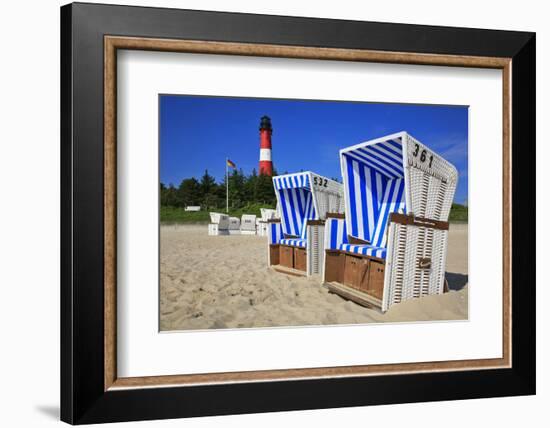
419 221
274 220
335 215
315 222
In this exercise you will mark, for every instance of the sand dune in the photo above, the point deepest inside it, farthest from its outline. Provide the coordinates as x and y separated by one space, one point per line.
223 282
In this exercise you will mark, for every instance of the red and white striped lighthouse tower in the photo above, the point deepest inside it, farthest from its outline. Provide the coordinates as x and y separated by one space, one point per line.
266 165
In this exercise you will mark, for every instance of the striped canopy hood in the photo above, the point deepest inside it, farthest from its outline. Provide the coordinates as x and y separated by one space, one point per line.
374 187
296 202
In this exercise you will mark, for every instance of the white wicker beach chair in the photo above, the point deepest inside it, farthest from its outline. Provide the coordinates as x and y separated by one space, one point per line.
392 243
219 224
295 240
262 222
234 223
267 214
248 224
261 227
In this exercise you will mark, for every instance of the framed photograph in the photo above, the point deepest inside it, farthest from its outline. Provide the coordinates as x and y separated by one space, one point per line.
267 213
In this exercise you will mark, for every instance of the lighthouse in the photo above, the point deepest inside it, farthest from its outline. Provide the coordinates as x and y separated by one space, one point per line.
266 165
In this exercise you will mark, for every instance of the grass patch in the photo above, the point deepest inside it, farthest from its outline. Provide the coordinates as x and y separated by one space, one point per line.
459 214
179 215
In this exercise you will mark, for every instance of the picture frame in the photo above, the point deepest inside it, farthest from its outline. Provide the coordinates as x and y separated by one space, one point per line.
91 391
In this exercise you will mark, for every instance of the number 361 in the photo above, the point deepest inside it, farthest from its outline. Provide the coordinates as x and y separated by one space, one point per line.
423 155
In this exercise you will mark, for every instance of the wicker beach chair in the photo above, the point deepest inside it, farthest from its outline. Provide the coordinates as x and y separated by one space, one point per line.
234 223
248 224
296 238
234 226
219 224
268 214
391 244
262 223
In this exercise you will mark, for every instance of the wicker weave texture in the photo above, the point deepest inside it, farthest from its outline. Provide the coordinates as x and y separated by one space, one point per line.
329 199
405 278
315 249
432 182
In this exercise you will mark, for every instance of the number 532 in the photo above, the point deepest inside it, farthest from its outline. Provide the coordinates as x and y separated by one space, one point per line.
319 181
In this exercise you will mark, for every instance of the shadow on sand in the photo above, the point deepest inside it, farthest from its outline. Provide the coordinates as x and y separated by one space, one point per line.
457 281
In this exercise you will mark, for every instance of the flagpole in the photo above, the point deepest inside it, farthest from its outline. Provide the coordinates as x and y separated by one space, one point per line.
226 187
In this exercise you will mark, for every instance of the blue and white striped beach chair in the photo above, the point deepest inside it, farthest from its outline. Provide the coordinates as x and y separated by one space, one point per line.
391 244
296 239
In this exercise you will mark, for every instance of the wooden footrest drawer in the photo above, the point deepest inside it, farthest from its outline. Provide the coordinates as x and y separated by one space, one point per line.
364 274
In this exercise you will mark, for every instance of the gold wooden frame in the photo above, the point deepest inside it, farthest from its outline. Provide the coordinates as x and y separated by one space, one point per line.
113 43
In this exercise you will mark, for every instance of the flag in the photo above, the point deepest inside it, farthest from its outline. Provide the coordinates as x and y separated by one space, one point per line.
230 164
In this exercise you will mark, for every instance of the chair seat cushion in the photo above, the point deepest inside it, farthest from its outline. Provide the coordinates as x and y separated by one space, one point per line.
294 242
365 250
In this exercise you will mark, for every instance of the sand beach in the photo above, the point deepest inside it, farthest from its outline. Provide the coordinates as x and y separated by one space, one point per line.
215 282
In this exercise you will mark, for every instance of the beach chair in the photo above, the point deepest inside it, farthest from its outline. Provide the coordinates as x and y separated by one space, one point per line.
234 223
391 244
248 224
262 222
268 214
296 238
219 224
234 226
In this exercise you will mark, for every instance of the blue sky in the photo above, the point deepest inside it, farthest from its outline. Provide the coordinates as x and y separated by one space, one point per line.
198 133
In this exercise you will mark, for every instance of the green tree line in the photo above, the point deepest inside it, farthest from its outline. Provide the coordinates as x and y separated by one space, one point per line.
244 190
248 192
